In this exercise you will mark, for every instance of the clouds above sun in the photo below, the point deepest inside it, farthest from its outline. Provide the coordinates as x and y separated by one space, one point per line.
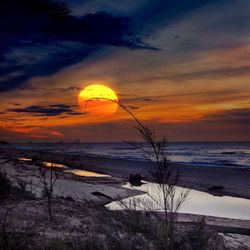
181 66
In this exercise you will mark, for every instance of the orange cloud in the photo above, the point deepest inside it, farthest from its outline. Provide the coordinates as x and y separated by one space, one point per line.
35 133
56 134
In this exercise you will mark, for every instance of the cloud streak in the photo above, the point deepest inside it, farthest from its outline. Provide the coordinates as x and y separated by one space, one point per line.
52 110
212 73
234 116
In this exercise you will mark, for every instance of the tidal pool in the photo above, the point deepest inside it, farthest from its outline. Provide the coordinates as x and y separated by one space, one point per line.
197 202
54 165
24 159
77 172
45 163
85 173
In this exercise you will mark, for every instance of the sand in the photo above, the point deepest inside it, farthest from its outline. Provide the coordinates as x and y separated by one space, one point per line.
100 190
234 182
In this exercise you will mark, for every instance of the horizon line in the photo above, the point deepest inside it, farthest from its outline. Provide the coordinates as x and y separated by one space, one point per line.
99 142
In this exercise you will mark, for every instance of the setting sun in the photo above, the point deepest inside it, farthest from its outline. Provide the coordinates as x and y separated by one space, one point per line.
98 99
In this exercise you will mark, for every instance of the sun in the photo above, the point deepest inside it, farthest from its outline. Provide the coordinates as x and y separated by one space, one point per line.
98 99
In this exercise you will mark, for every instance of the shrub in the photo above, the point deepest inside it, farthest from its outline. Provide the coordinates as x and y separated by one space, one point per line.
5 186
199 237
18 241
135 180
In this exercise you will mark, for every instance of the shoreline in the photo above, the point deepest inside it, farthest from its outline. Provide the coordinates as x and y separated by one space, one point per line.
235 181
97 190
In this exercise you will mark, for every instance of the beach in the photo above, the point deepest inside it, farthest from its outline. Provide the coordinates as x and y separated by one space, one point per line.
231 181
74 190
79 188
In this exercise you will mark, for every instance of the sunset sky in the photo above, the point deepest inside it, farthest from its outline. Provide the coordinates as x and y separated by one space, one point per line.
181 66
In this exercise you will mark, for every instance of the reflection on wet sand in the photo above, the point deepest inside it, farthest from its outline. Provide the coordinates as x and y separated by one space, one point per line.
24 159
77 172
197 202
54 165
45 163
85 173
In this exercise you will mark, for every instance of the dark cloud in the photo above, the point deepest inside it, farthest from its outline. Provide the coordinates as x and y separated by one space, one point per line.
45 20
223 126
28 126
201 25
158 13
133 107
41 37
231 125
16 119
135 98
218 73
76 113
16 104
234 116
36 89
65 90
212 73
148 99
52 110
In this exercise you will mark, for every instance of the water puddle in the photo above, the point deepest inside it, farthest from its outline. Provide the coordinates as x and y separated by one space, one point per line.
77 172
53 165
24 159
45 163
197 202
85 173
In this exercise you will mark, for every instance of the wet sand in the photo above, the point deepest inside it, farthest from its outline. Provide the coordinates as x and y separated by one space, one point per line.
72 184
233 182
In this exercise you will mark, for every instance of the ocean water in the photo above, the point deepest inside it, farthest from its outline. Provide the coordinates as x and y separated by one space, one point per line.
212 154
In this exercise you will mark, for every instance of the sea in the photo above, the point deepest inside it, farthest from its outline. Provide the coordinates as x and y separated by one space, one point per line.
209 154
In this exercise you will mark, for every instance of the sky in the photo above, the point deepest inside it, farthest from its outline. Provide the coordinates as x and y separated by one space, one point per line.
182 67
